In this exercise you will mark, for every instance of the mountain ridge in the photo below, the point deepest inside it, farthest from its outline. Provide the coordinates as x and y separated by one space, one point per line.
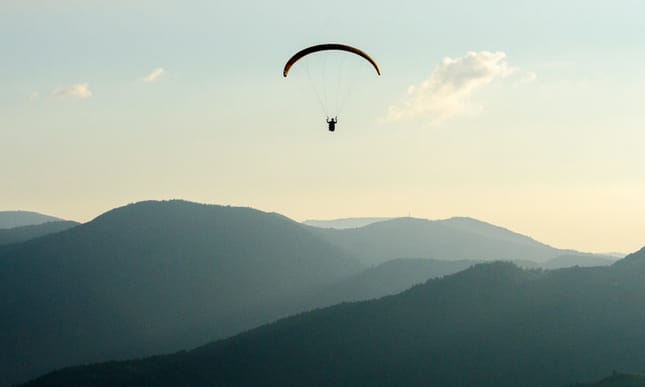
493 324
18 218
159 276
154 277
452 239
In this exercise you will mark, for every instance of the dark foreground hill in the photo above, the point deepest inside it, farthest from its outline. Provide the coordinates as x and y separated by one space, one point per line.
491 325
10 219
617 379
150 278
450 239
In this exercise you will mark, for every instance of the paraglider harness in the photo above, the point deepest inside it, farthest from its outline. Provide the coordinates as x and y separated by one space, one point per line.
332 123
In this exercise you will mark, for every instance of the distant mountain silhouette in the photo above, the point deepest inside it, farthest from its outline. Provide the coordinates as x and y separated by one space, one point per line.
343 223
154 277
490 325
11 219
24 233
451 239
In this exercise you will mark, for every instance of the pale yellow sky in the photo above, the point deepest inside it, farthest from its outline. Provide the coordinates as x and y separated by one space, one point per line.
482 113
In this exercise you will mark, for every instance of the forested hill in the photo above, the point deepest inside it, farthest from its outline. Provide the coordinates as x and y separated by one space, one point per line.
153 277
617 379
491 325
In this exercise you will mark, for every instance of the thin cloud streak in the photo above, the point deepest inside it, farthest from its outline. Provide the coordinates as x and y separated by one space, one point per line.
154 75
79 90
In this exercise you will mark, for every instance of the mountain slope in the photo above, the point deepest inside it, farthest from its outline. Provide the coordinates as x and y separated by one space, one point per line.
10 219
153 277
24 233
451 239
387 278
490 325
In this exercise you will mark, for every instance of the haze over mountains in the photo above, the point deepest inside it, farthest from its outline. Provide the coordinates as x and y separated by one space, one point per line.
385 279
10 219
156 277
25 233
491 325
343 223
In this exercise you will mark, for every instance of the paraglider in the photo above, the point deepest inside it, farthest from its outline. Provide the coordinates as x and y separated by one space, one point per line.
331 121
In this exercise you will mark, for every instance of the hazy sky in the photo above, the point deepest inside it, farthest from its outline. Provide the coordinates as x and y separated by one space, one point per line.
525 114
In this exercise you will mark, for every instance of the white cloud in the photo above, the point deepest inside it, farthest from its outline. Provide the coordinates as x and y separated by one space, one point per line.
445 94
79 90
154 75
34 95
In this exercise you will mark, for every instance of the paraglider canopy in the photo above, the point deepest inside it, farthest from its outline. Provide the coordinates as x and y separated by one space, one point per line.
331 87
326 47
